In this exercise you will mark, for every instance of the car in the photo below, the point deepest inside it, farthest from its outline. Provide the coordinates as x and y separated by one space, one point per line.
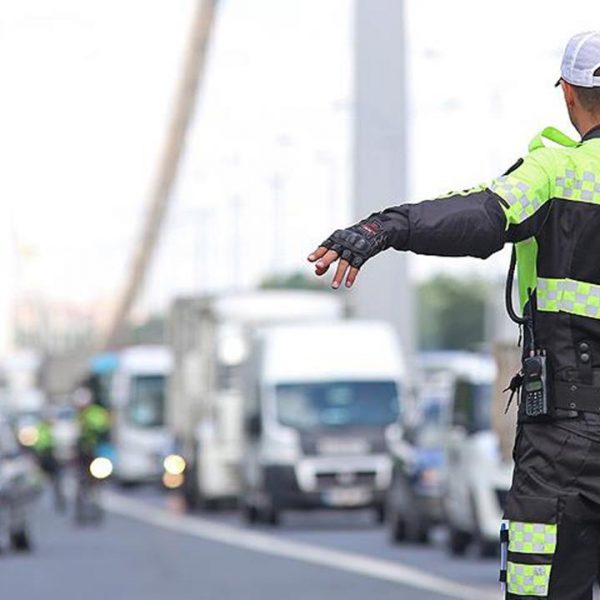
414 499
20 487
477 479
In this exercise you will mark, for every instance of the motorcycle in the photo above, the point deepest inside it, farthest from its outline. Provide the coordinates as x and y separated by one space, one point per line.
93 470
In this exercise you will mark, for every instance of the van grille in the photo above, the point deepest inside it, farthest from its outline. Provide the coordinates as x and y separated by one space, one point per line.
345 478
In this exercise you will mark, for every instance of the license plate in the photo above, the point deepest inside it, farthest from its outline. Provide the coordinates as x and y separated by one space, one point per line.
347 497
340 446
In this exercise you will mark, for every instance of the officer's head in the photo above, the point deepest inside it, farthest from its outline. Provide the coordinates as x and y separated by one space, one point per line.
580 80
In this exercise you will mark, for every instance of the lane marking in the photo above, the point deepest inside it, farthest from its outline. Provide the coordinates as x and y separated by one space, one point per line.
308 553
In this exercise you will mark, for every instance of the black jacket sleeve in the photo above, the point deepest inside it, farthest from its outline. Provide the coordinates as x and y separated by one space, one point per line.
469 224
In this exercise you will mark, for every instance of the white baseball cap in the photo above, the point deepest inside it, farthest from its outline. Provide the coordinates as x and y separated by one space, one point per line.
581 60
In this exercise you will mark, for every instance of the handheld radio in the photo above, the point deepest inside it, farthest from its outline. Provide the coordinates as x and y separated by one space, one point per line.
535 388
533 377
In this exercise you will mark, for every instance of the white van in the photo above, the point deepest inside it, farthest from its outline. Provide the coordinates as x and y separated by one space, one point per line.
322 404
139 433
477 479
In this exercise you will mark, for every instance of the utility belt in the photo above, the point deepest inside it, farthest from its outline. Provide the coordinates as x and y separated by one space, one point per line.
557 400
576 397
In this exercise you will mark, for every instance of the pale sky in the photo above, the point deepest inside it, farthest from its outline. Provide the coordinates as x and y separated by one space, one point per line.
87 89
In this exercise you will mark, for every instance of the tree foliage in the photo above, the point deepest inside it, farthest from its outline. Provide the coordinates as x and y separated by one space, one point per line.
452 313
293 281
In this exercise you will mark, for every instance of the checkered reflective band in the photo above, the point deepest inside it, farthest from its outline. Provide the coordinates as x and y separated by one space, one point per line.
569 296
527 580
531 538
584 188
522 200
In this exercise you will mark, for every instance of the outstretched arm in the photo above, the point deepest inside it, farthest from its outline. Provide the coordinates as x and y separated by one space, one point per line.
476 222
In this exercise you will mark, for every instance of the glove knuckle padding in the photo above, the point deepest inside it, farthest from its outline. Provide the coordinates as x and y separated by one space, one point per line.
357 262
358 243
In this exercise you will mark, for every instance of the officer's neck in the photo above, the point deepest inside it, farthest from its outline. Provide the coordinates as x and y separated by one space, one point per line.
585 122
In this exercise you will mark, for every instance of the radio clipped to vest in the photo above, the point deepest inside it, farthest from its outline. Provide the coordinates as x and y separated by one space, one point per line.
535 388
532 382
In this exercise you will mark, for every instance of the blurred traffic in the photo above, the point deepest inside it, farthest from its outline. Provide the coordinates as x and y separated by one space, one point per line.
185 411
245 410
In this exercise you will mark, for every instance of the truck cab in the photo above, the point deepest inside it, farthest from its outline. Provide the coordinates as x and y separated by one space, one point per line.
323 401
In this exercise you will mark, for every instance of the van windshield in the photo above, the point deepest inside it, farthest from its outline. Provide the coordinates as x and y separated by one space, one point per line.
147 401
337 404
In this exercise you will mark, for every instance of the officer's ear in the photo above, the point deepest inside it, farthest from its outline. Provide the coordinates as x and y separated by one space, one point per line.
569 94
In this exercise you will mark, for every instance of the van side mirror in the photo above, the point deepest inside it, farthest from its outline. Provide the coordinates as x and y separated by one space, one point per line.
254 426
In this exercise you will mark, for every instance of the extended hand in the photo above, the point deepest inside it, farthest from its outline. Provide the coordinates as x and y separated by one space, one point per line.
325 258
353 247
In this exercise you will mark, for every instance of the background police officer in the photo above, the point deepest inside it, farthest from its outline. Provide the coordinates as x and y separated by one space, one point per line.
45 451
94 429
548 204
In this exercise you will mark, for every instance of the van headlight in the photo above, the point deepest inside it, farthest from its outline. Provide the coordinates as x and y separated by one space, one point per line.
282 446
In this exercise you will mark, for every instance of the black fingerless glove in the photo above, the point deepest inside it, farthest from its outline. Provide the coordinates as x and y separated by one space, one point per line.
359 243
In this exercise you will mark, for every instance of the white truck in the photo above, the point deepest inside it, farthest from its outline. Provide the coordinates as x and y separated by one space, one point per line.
137 402
210 340
322 411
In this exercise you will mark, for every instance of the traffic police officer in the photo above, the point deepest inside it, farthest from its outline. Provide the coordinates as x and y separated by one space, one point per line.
548 205
45 450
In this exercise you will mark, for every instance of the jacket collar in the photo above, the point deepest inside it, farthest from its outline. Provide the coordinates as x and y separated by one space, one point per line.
594 132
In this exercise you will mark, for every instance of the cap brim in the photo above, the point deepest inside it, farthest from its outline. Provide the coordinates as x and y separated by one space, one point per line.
558 82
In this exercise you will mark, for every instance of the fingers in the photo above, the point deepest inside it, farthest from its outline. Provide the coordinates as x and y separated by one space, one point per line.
324 258
352 274
318 253
339 274
323 263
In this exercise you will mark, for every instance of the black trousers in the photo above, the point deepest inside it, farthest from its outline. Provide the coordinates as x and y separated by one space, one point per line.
553 511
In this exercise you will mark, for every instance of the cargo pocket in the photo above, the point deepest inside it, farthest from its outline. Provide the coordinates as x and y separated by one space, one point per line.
531 535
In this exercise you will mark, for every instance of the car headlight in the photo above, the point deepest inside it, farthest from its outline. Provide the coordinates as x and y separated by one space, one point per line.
101 468
174 464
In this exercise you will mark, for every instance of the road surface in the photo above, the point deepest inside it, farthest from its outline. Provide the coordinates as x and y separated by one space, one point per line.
147 550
